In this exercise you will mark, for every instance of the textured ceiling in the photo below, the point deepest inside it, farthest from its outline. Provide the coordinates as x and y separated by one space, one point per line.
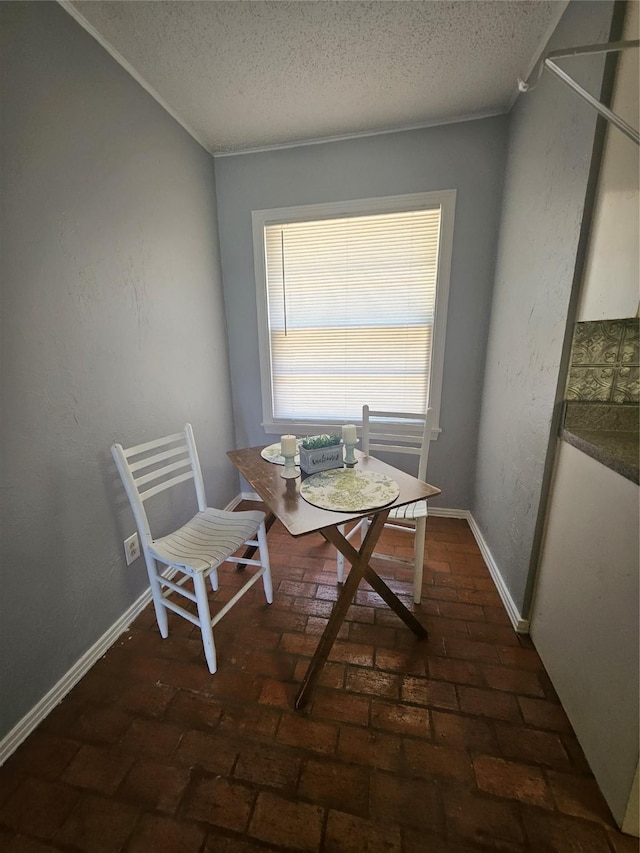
241 74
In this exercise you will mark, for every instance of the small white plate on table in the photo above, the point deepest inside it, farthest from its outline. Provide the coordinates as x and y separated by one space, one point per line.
272 453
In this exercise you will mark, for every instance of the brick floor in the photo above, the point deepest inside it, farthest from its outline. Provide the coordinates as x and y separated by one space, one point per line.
457 744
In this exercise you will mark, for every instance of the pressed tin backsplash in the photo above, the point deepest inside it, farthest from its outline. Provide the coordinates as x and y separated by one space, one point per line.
605 362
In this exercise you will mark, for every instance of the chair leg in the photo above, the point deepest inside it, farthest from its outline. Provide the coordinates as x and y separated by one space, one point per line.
421 530
213 579
340 559
205 621
264 559
158 598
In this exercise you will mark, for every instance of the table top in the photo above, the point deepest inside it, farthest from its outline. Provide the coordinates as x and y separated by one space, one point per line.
299 517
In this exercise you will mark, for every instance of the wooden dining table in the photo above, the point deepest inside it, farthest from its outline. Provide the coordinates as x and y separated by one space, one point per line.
283 500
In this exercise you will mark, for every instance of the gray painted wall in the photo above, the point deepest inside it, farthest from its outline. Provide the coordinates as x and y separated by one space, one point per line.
468 157
550 141
112 329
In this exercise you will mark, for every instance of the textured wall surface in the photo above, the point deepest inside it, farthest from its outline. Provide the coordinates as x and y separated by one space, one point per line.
112 329
468 157
550 142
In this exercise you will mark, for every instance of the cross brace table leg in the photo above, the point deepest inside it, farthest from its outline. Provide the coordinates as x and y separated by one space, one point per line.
359 568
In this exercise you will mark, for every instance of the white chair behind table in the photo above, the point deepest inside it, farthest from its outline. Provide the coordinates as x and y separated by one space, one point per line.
196 549
407 433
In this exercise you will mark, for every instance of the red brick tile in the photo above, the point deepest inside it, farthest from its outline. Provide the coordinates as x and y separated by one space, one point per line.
98 824
213 752
38 807
410 662
550 832
579 796
532 746
313 607
98 768
349 834
496 614
336 785
268 765
419 841
512 780
368 747
621 843
487 632
155 786
400 719
193 711
407 802
22 844
102 725
299 644
544 714
463 732
332 674
457 647
445 627
163 835
450 669
461 610
273 664
527 659
424 691
478 819
217 842
297 588
488 703
42 754
512 680
220 802
340 706
575 753
427 760
354 653
480 596
255 721
382 684
151 737
278 694
234 684
296 730
376 635
287 824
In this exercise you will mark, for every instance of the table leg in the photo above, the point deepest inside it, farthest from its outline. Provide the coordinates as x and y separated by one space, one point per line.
359 568
251 549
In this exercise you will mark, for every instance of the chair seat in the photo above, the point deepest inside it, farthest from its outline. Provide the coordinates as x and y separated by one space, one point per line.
207 539
410 512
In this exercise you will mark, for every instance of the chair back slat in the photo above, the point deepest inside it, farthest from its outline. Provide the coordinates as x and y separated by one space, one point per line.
397 432
162 472
151 445
133 465
148 461
162 487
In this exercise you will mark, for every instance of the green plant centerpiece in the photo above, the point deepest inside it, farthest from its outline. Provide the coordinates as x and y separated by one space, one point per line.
321 452
313 442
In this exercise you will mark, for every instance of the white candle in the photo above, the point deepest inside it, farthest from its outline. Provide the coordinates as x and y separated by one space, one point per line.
288 445
349 434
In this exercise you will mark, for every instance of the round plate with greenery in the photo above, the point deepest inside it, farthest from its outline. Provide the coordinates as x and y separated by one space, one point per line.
349 490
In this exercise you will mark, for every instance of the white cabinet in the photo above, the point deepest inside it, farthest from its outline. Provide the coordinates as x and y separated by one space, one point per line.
585 615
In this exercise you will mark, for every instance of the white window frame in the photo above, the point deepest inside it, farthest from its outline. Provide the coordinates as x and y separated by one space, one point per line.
444 199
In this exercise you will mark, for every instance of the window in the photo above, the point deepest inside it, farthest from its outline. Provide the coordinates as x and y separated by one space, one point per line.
352 301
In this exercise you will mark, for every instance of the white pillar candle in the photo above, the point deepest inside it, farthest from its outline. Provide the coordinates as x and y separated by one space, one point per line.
288 445
349 434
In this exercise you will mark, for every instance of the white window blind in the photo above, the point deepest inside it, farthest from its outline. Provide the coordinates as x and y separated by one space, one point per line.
351 305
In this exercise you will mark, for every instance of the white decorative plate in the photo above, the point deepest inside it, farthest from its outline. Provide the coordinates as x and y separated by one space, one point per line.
349 490
272 453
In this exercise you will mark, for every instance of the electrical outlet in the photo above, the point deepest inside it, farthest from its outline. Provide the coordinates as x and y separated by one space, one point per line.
131 548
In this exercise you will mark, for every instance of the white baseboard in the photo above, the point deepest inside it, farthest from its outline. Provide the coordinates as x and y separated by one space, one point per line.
520 625
36 715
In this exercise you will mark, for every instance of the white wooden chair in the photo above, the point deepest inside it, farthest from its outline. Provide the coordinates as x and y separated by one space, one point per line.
196 549
398 432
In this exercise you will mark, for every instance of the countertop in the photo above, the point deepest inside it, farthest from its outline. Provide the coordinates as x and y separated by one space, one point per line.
608 432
